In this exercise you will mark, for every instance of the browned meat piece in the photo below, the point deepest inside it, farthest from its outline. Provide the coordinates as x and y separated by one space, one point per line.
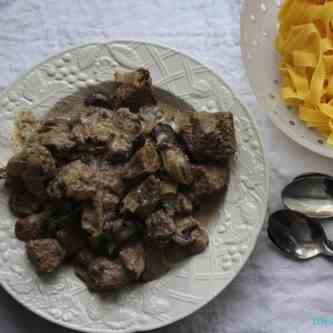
108 275
160 227
208 180
116 134
179 204
98 100
74 181
93 132
127 136
132 256
139 78
45 254
71 239
121 230
30 227
81 264
145 161
210 137
57 138
111 181
24 203
35 166
143 199
155 263
134 90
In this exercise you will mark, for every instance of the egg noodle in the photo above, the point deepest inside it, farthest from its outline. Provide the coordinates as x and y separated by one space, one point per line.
305 43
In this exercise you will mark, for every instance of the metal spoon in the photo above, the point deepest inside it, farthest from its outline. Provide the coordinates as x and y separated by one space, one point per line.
297 236
311 195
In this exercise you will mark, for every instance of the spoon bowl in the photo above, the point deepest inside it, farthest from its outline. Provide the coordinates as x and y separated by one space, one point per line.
310 195
297 236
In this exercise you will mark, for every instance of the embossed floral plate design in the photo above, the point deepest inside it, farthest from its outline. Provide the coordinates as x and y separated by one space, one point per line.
233 229
259 27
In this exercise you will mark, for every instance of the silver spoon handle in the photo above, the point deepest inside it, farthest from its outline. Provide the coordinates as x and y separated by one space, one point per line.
328 249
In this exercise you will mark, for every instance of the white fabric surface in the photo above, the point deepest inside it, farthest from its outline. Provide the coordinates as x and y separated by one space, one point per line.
272 294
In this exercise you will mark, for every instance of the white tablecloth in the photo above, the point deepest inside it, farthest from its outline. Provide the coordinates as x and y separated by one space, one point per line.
272 294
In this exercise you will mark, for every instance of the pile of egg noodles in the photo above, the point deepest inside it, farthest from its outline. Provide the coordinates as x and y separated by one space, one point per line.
305 43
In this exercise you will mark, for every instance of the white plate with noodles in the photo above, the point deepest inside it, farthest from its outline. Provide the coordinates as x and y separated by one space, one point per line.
287 48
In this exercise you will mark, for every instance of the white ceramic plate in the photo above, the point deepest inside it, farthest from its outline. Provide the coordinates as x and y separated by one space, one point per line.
63 298
259 26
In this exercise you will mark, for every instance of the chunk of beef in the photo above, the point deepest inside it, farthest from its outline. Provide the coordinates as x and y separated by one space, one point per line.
155 263
35 166
145 161
134 91
121 230
31 227
93 131
132 256
45 254
98 100
208 180
56 136
160 227
24 203
210 137
108 275
127 135
116 134
139 78
81 264
110 180
143 199
74 181
71 239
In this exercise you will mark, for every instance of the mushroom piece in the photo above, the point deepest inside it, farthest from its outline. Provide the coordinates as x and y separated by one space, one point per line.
177 165
175 161
143 199
144 162
184 228
45 254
